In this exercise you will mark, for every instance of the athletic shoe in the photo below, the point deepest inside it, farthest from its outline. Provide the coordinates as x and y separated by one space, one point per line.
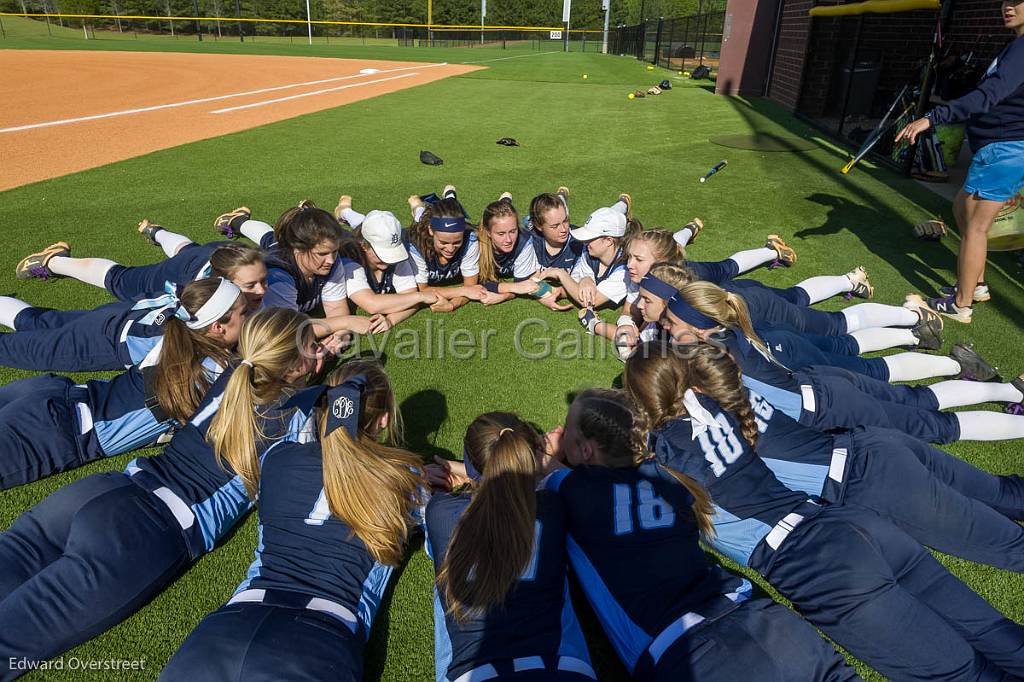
149 230
344 202
695 226
1017 408
36 265
628 200
506 196
589 319
414 203
981 293
449 192
916 302
785 253
973 367
928 331
229 224
861 285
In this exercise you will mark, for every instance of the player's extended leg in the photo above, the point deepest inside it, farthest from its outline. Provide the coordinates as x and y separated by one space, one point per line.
123 546
85 341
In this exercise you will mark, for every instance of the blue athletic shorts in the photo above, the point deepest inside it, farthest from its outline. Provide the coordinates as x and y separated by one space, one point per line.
997 171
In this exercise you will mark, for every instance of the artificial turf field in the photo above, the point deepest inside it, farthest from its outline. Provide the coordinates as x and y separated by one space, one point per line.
582 133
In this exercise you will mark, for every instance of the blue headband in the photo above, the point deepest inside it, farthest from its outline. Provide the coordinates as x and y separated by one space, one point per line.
344 405
657 287
457 224
470 469
687 313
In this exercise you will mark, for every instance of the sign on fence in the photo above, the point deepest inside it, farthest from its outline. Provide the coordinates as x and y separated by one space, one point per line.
556 35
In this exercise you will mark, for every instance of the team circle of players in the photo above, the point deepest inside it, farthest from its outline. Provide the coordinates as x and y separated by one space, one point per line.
747 419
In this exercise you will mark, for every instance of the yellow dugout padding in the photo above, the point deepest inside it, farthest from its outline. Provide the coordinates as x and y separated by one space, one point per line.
873 7
432 27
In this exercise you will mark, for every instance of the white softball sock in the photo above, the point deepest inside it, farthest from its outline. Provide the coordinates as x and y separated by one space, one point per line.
880 338
353 217
170 242
915 366
621 206
683 236
89 270
752 258
865 315
9 309
825 286
957 393
255 230
980 425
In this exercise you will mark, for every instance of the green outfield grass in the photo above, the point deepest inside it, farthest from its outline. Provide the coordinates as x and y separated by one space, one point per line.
585 134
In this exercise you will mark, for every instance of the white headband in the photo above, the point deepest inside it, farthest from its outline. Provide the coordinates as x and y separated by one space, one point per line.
217 306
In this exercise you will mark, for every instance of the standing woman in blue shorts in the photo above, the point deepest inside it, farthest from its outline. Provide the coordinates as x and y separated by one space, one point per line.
501 605
98 549
633 528
186 261
334 519
868 585
994 113
50 424
445 251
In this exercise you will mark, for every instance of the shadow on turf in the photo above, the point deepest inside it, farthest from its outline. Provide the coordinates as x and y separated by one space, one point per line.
884 232
424 413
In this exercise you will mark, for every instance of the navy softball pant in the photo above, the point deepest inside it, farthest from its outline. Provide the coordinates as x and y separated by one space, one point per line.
938 499
767 307
67 340
39 430
846 400
249 642
133 283
81 561
758 640
796 351
883 597
793 295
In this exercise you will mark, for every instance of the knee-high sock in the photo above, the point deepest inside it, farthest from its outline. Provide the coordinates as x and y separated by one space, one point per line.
9 309
752 258
865 315
957 393
825 286
684 236
621 207
880 338
89 270
170 242
980 425
255 230
353 218
915 366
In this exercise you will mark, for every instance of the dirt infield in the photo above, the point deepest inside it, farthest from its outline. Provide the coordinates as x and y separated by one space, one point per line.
66 111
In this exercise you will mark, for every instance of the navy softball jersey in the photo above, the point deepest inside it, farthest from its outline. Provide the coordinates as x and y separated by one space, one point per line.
534 634
95 551
430 270
112 336
845 569
826 398
520 263
134 282
397 278
287 287
313 588
49 424
633 545
566 257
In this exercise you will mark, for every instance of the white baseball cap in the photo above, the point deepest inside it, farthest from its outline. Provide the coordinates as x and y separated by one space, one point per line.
604 222
384 232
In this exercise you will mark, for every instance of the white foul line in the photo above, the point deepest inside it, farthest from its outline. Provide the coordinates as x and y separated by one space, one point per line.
308 94
190 102
518 56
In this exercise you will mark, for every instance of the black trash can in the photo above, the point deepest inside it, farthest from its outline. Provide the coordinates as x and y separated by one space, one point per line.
860 76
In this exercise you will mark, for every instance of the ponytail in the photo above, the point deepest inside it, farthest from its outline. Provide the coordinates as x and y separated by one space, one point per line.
610 418
726 308
270 345
181 380
541 204
494 538
371 485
